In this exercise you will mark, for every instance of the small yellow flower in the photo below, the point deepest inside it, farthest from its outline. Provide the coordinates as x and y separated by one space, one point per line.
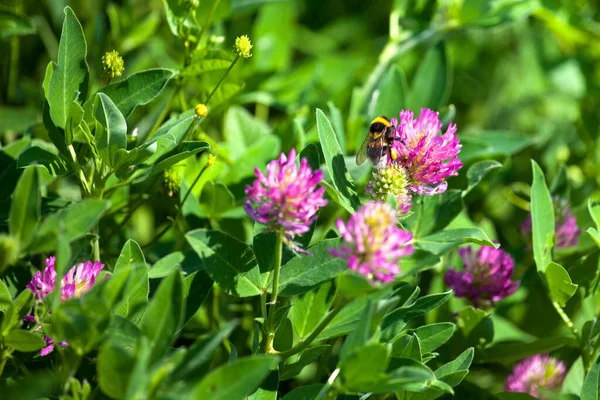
201 110
212 160
113 64
243 46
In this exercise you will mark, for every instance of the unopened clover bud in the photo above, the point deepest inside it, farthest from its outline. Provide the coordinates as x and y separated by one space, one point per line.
201 110
243 46
113 64
212 160
171 181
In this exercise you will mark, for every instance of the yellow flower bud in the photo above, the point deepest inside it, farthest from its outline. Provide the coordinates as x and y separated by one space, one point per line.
212 160
113 64
243 46
201 110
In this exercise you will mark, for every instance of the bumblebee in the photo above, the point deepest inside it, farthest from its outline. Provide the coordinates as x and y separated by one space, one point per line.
378 142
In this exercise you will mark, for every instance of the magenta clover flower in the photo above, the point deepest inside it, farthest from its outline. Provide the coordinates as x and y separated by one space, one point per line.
425 157
566 231
286 198
372 243
485 278
535 373
75 283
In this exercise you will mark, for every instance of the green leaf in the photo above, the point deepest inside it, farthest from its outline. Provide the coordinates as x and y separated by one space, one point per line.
307 357
186 150
394 322
591 385
138 89
308 309
165 313
407 346
470 318
364 367
442 242
559 283
202 66
36 155
308 392
228 261
136 290
432 81
434 335
115 363
24 341
334 159
460 363
166 265
434 213
390 94
359 336
410 375
111 132
510 352
216 199
14 24
304 272
351 284
237 380
542 219
478 171
198 358
70 73
81 217
25 210
489 144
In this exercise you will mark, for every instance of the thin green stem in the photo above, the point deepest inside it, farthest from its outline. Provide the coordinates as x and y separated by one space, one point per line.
273 304
563 315
263 305
235 60
327 387
209 18
163 114
313 335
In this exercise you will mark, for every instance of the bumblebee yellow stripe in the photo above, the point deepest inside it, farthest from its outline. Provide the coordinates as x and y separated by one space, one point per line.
381 120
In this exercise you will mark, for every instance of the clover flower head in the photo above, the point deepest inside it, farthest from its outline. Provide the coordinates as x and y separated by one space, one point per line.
391 179
566 231
535 373
243 46
113 64
428 157
287 197
485 278
372 243
76 282
201 110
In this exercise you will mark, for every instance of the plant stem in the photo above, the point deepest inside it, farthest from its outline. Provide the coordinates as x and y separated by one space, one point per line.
263 305
273 304
313 335
325 390
235 60
209 18
566 320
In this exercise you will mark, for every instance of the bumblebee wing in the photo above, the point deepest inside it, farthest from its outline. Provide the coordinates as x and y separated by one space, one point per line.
361 156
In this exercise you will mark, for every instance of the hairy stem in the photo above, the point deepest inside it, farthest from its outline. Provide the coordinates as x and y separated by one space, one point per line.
273 304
